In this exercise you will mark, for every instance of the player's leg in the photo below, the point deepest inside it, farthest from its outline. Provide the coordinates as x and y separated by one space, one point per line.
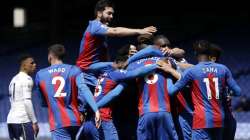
28 131
229 129
15 131
60 134
200 134
88 131
108 131
72 131
145 127
165 127
216 133
186 128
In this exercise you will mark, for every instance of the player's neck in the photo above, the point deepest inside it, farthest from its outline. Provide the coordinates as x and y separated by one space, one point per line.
24 71
56 61
203 58
99 19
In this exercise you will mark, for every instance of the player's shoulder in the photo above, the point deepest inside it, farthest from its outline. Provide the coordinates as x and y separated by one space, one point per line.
132 65
194 68
74 70
16 77
222 66
120 71
96 23
43 70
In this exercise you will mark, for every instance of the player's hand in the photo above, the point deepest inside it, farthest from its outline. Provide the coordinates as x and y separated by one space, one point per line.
148 30
165 66
97 119
35 129
160 63
82 117
166 51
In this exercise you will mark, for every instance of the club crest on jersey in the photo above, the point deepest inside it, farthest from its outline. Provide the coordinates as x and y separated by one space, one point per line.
98 88
151 78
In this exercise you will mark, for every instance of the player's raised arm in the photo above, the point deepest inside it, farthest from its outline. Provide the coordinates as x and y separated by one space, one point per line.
141 71
148 51
100 65
122 31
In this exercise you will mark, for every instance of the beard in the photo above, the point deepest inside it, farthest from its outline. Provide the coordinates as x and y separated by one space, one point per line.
105 20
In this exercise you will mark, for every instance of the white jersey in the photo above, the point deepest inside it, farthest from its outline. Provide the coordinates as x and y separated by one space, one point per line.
20 90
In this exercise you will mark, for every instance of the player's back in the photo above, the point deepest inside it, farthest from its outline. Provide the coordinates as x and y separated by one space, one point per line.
104 85
208 90
20 88
153 94
93 45
58 86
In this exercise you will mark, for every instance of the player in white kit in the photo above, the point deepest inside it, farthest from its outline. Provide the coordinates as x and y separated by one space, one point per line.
21 120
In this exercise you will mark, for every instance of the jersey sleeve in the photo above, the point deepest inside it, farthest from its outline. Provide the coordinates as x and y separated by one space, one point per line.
27 88
173 62
98 29
185 79
84 92
148 51
39 92
124 74
101 67
132 66
232 83
111 95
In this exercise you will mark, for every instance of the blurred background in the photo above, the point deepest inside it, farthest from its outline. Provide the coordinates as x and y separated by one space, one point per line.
31 26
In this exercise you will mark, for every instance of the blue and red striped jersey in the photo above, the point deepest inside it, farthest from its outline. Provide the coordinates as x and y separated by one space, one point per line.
56 86
208 81
153 88
184 104
104 85
109 80
93 47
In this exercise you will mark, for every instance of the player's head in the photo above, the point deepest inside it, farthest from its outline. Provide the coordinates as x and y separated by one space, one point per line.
161 41
143 41
132 50
215 52
104 10
27 63
202 50
56 52
122 56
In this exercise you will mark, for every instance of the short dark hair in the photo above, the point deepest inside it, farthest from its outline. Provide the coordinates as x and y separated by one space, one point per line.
58 50
101 4
143 41
157 37
122 53
201 47
215 51
23 57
